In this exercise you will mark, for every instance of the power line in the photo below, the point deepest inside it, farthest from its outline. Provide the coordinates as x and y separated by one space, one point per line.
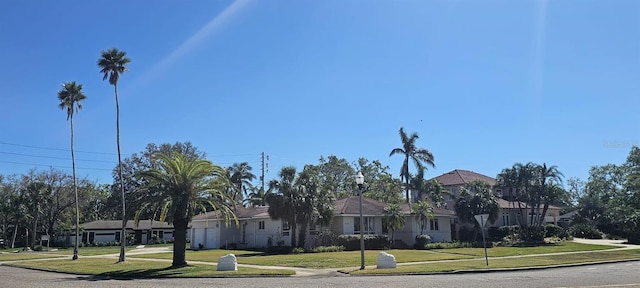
55 149
59 158
55 166
106 153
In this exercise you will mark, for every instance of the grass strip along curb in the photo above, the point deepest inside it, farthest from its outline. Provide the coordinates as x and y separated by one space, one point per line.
134 269
501 264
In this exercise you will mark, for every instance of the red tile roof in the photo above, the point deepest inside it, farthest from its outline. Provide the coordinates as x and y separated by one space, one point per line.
461 177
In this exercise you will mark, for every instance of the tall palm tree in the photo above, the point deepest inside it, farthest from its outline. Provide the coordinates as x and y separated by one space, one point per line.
284 203
548 177
70 97
112 63
419 156
241 176
183 187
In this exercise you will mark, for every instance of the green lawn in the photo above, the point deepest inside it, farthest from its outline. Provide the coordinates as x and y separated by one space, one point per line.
514 251
10 256
308 260
91 251
352 258
477 264
142 269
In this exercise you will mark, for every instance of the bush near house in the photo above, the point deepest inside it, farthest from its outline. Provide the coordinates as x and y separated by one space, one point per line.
374 242
532 234
422 241
552 230
499 233
586 231
634 238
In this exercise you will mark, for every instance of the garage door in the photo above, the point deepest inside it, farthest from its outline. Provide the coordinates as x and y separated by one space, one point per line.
198 238
213 239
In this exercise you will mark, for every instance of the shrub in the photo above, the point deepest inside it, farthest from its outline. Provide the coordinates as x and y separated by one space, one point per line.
322 249
634 238
352 242
326 238
499 233
532 234
279 250
422 241
586 231
552 230
37 248
466 234
453 245
297 250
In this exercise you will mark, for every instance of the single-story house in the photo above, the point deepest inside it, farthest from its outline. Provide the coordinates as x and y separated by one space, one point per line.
108 231
256 229
347 221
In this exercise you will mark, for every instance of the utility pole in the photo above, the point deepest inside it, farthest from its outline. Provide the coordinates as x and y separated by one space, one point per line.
263 164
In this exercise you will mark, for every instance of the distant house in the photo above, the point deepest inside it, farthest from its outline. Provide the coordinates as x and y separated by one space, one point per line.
256 229
107 231
456 179
509 210
510 214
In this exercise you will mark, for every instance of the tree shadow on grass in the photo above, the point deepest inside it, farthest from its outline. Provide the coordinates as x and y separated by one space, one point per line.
165 272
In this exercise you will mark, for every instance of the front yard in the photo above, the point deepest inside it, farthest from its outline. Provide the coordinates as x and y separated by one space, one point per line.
202 263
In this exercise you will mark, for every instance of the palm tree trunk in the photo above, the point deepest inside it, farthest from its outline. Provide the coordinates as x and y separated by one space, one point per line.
293 233
75 190
15 233
179 242
406 177
124 218
35 227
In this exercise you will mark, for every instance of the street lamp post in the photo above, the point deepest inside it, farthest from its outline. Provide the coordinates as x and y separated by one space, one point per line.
360 182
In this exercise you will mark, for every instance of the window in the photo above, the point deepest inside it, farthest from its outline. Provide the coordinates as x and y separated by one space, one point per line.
161 234
369 225
261 225
505 219
433 223
313 228
285 228
117 236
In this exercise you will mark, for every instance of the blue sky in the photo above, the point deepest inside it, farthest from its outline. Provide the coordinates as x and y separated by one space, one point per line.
485 83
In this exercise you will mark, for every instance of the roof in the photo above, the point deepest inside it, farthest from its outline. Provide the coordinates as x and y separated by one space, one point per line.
117 224
461 177
514 204
241 213
351 205
344 206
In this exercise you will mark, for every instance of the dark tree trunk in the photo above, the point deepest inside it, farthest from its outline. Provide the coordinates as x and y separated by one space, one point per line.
293 233
302 235
179 242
